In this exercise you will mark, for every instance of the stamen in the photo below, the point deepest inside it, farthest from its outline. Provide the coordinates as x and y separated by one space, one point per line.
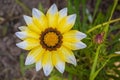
51 39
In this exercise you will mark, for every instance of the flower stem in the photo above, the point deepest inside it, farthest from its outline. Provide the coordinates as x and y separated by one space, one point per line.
95 63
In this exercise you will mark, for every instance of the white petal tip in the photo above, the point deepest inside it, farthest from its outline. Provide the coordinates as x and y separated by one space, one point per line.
21 35
47 69
38 66
60 67
63 12
36 13
29 60
27 19
72 60
47 73
22 45
22 28
53 9
81 35
72 18
81 45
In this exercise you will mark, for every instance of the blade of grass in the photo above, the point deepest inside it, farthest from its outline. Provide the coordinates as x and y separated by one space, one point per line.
95 62
107 26
23 6
22 64
103 24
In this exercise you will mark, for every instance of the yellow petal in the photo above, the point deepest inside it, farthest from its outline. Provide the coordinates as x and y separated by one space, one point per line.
34 55
47 63
37 53
74 45
27 34
28 44
58 62
73 35
34 28
62 14
68 54
66 23
41 22
52 16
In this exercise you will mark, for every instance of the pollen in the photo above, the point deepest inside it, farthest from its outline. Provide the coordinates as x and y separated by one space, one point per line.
51 39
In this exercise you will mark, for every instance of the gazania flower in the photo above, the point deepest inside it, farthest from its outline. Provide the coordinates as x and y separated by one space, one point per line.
50 39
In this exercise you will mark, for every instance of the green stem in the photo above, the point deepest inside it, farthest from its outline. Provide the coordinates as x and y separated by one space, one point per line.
103 24
95 62
107 26
23 6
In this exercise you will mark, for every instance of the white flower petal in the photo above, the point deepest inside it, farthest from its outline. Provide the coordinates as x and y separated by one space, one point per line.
63 12
80 35
36 13
72 60
53 9
118 52
47 69
22 28
27 19
71 19
22 45
38 65
21 35
80 45
29 60
60 66
74 34
74 45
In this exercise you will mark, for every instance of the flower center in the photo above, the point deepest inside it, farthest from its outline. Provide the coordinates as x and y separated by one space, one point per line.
51 39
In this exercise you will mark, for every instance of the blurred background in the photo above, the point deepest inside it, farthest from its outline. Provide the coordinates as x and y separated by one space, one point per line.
11 17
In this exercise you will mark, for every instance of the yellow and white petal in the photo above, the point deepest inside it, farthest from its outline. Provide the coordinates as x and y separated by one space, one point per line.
39 19
52 10
41 22
47 63
31 25
68 54
27 19
58 62
60 66
74 45
35 55
29 60
36 13
21 35
28 44
67 23
52 16
38 65
47 69
71 19
22 45
73 34
22 28
62 14
27 34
